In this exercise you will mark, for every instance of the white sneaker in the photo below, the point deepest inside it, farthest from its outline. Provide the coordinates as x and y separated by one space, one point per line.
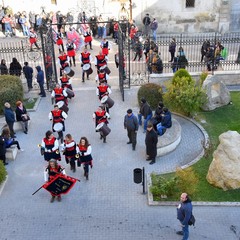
21 150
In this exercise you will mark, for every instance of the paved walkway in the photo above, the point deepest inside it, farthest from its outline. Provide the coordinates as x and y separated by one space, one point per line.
109 205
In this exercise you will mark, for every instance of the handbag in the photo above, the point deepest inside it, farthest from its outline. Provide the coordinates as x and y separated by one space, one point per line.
192 220
25 117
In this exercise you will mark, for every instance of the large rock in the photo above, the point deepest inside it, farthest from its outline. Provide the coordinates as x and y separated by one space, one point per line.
217 93
224 171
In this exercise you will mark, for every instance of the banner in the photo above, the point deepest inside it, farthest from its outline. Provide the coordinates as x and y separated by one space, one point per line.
60 184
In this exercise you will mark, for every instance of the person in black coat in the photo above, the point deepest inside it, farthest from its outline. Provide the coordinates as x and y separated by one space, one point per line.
15 68
40 80
22 116
151 141
10 118
3 67
28 72
3 150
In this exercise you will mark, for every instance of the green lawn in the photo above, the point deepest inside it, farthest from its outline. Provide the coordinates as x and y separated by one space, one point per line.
217 122
29 103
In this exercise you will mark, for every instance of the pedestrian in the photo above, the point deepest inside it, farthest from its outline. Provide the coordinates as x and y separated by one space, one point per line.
15 68
172 49
28 72
8 22
105 46
22 116
88 38
70 150
101 61
3 67
151 141
59 94
33 39
86 159
146 48
3 150
58 116
166 121
204 48
138 48
50 147
85 60
184 213
157 118
52 170
146 23
145 112
131 124
40 80
154 27
100 117
9 117
63 61
9 141
59 40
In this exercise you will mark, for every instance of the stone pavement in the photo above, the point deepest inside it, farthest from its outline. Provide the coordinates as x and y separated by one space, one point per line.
109 205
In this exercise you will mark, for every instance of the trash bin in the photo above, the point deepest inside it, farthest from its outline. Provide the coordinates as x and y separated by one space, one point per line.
137 175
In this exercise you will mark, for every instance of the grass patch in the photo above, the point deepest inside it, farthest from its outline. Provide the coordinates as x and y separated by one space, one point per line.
29 103
215 123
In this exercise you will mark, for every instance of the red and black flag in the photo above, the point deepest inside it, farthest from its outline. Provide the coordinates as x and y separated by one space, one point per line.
60 184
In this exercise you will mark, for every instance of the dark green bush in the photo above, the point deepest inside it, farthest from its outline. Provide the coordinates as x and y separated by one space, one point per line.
152 93
3 172
11 90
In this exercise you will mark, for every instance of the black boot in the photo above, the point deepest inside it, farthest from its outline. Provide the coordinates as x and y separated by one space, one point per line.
104 139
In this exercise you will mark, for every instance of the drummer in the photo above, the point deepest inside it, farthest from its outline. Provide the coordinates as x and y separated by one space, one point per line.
58 116
103 90
59 40
70 46
105 46
63 61
101 116
59 94
50 146
85 60
102 76
88 38
66 81
100 61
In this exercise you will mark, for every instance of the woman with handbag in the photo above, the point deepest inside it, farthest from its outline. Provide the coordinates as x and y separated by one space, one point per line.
22 116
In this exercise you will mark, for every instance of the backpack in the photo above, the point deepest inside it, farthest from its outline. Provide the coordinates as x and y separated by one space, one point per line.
192 220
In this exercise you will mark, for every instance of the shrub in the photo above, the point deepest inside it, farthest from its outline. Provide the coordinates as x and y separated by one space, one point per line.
183 95
3 172
202 77
152 93
11 90
187 180
163 186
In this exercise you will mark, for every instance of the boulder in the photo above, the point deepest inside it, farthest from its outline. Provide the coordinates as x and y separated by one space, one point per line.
225 167
217 93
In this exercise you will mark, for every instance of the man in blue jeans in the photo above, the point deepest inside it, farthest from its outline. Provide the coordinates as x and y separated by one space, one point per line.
184 213
145 112
166 121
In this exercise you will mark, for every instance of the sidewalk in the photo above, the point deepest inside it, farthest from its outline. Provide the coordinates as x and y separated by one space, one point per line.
109 206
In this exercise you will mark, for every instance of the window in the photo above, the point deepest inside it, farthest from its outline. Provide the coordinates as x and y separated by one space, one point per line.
190 3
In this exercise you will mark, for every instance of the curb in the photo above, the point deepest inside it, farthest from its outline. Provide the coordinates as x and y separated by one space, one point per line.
3 185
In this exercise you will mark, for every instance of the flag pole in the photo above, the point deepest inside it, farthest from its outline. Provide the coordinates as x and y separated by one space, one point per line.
37 190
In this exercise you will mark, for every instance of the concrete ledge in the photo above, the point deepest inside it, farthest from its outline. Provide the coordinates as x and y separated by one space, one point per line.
18 126
2 185
170 139
11 153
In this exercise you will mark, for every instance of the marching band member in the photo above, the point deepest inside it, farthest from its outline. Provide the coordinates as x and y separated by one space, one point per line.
85 58
102 76
88 38
70 46
66 81
59 41
85 151
59 94
101 116
100 60
58 116
63 61
105 45
52 170
70 150
33 39
103 90
50 147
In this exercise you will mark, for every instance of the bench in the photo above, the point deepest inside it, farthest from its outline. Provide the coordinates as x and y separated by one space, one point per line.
170 139
11 153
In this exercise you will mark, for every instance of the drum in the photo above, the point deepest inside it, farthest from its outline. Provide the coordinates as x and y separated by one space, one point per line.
58 127
107 100
69 71
70 93
86 66
102 127
62 106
